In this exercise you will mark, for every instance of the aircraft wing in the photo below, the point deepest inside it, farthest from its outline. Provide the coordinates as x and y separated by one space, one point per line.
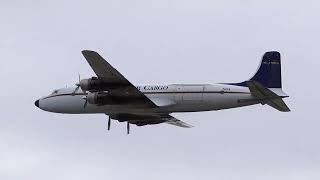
147 119
110 75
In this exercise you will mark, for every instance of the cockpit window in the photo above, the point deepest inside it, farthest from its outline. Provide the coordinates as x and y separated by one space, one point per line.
55 92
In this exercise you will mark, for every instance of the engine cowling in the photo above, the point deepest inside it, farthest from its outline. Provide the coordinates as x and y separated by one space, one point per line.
100 98
92 84
95 84
103 98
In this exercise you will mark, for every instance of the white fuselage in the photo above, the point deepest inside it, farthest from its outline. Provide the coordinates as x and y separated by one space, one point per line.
168 98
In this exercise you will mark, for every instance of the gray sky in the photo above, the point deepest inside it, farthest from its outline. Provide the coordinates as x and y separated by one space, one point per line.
159 42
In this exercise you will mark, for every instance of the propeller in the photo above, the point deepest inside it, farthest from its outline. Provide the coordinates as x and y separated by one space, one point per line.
86 101
78 86
128 127
109 123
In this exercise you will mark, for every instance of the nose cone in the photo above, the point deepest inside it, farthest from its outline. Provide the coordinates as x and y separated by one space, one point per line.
36 103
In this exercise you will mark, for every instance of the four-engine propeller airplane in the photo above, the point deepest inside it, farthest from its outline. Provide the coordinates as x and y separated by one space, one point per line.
112 94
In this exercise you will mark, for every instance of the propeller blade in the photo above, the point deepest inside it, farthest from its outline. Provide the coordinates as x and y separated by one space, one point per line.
128 127
86 101
85 104
109 123
75 90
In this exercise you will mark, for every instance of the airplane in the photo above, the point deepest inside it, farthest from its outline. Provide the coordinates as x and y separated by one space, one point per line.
110 93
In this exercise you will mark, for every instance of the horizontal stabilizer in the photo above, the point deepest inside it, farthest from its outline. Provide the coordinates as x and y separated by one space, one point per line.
266 96
279 104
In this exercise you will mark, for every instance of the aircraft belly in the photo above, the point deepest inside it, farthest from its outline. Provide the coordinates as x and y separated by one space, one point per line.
227 100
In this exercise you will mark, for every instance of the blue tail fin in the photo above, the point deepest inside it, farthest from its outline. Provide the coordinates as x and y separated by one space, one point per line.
269 72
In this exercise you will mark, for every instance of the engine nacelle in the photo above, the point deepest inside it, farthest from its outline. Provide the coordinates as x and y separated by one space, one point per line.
92 84
103 98
95 84
100 98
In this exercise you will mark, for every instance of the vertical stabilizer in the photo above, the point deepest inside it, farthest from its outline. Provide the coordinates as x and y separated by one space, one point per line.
269 71
266 85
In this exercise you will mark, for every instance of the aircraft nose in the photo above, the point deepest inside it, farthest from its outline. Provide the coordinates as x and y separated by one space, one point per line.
36 103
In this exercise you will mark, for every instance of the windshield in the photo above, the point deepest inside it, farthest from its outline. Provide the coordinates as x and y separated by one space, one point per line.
54 92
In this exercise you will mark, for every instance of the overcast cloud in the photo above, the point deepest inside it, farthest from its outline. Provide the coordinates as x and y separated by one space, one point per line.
159 42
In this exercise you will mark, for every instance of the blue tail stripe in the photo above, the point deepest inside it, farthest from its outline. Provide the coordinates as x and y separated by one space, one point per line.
269 72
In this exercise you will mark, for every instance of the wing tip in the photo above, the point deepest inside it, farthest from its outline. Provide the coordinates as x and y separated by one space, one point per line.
189 126
180 124
86 51
286 110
